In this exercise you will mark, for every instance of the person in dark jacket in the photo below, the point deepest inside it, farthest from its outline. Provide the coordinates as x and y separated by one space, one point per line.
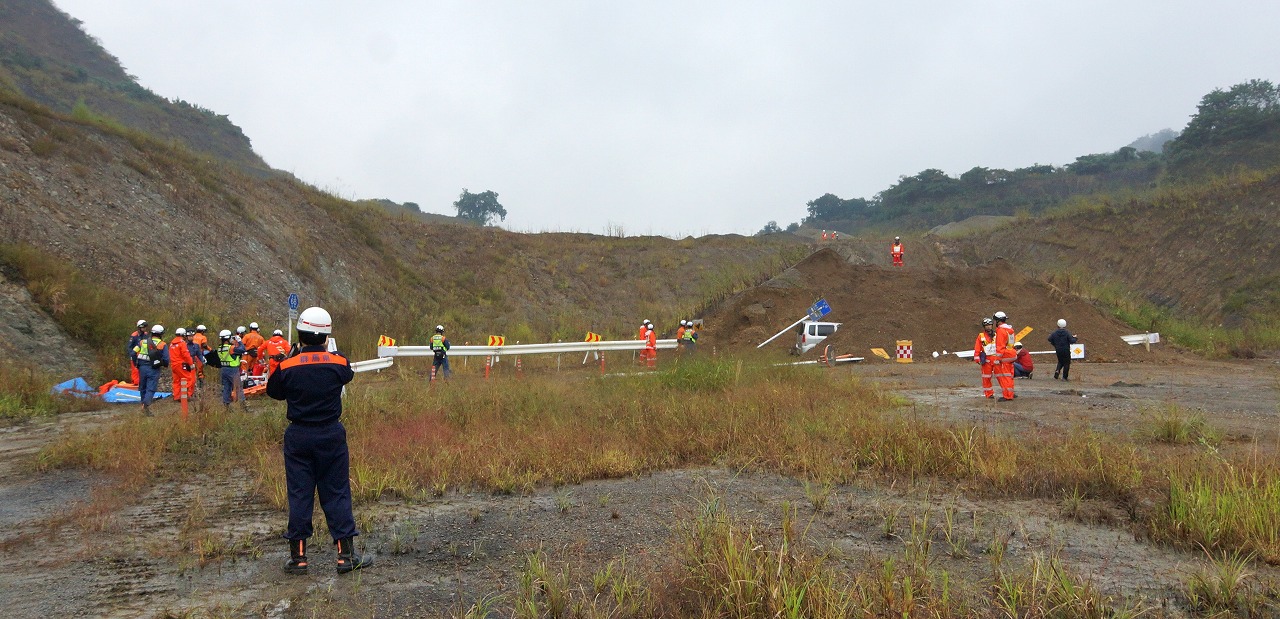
1062 341
315 443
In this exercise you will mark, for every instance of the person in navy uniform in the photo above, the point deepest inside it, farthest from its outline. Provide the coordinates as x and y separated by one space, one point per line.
315 443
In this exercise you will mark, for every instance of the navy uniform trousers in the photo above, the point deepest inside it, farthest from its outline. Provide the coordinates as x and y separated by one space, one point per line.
316 461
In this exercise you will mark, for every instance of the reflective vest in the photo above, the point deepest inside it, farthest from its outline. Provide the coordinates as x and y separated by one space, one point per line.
690 335
228 358
149 352
437 344
984 345
897 249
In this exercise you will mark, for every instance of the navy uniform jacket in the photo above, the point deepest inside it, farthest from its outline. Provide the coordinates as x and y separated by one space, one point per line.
311 383
1062 340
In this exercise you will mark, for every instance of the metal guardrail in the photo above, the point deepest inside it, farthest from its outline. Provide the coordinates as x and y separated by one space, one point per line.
380 363
524 349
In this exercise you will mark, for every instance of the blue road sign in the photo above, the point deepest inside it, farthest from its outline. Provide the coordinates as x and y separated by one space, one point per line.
819 309
293 300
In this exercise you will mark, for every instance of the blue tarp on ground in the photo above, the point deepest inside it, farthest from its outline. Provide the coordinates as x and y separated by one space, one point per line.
77 386
119 395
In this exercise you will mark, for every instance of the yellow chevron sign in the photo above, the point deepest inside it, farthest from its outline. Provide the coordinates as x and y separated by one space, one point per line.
385 341
1023 333
497 340
592 337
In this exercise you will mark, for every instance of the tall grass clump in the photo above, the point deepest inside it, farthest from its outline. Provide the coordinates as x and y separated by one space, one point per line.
1220 506
85 308
28 393
410 438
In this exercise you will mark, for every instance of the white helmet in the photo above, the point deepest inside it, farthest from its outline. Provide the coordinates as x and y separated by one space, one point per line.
646 321
253 326
142 323
277 332
224 334
1062 323
1017 344
684 323
1001 316
158 329
439 328
200 328
315 320
239 330
180 332
649 326
897 238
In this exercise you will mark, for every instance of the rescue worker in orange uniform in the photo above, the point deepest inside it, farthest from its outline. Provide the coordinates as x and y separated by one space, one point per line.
201 341
650 346
984 353
138 335
896 250
252 347
644 333
1006 354
684 324
181 365
274 351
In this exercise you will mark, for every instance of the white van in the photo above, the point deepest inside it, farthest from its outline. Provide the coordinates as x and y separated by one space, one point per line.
811 333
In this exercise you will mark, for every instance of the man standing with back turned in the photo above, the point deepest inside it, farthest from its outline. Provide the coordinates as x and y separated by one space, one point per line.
315 443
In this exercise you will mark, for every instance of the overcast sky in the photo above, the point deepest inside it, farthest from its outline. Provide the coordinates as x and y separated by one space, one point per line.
679 118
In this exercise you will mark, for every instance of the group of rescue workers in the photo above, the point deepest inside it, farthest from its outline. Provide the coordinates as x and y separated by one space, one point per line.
241 356
999 353
309 377
686 341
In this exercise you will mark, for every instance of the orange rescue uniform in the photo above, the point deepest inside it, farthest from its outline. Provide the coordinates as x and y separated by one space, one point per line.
179 360
651 348
896 250
274 351
252 358
984 356
1005 356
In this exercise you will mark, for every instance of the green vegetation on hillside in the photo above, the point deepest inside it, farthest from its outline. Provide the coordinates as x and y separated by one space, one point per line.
45 55
1238 128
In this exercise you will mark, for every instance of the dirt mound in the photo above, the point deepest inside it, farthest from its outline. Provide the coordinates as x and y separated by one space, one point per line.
937 308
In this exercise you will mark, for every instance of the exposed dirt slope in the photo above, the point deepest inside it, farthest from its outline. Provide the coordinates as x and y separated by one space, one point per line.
936 308
1212 252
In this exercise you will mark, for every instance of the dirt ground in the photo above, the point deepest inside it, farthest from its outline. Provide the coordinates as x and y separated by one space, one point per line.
437 557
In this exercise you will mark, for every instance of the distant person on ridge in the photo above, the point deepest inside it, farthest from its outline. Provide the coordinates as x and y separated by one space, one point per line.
1062 341
896 251
984 354
1023 366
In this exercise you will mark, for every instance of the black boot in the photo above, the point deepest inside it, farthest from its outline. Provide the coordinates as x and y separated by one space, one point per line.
297 557
349 559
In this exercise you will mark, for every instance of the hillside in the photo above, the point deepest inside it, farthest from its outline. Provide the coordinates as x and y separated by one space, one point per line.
45 56
158 232
1206 252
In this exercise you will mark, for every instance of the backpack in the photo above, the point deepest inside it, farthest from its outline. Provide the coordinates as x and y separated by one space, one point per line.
157 354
